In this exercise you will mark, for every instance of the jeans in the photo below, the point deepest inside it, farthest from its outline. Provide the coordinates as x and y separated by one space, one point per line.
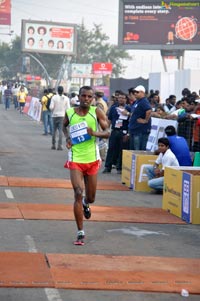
7 102
48 122
15 101
138 141
154 183
57 125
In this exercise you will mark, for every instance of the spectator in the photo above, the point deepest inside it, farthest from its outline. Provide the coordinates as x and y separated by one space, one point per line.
170 107
159 113
154 101
74 101
21 98
3 88
8 97
164 159
140 120
119 133
196 128
131 96
59 104
46 114
186 122
15 91
178 146
100 103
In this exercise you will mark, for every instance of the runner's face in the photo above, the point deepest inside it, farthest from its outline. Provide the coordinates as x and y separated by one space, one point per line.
86 97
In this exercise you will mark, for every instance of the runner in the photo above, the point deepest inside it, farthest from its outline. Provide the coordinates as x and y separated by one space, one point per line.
80 128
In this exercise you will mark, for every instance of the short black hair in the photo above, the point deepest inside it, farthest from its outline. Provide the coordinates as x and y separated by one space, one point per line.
170 130
164 141
122 93
85 88
131 90
60 90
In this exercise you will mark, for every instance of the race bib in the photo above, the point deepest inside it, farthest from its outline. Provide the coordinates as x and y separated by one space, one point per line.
118 123
78 133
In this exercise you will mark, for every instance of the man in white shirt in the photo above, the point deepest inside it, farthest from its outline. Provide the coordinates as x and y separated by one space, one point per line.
59 104
165 158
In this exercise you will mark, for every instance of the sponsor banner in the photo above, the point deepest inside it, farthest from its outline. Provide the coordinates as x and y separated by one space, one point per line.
34 108
102 68
49 37
159 24
158 131
186 197
81 70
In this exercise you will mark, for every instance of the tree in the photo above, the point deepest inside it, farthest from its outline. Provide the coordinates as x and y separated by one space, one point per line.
93 46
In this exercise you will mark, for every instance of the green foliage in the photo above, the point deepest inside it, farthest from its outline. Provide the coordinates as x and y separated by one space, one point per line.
92 46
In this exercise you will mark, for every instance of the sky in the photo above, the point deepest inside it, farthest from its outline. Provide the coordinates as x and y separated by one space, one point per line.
104 12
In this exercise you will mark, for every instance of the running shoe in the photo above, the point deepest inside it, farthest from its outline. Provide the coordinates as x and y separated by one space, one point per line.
80 238
86 211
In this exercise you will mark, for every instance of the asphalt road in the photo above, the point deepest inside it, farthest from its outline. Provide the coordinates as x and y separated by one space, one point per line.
25 152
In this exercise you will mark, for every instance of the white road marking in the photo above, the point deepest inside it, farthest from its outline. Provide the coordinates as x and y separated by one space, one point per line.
52 294
9 194
31 244
137 232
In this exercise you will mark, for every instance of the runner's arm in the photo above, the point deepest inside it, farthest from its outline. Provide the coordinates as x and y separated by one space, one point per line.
66 131
103 122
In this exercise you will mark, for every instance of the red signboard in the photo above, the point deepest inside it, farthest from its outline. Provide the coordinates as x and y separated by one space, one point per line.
33 77
102 68
5 12
61 32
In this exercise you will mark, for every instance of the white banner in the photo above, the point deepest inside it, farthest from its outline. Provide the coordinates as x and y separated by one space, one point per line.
157 131
35 109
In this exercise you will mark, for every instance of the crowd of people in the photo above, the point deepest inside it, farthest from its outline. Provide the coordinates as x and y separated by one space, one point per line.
130 116
13 92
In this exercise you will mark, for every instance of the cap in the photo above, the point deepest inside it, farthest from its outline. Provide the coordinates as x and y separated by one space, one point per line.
99 93
140 89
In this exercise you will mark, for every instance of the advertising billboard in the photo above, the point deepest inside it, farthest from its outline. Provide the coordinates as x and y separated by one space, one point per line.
154 24
49 37
102 68
81 70
5 12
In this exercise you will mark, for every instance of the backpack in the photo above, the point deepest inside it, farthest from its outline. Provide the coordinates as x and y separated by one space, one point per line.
48 102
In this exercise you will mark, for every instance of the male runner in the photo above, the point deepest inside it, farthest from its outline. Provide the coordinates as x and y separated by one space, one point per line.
81 130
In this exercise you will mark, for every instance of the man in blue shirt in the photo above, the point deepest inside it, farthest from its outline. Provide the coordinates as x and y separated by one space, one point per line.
140 120
178 146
